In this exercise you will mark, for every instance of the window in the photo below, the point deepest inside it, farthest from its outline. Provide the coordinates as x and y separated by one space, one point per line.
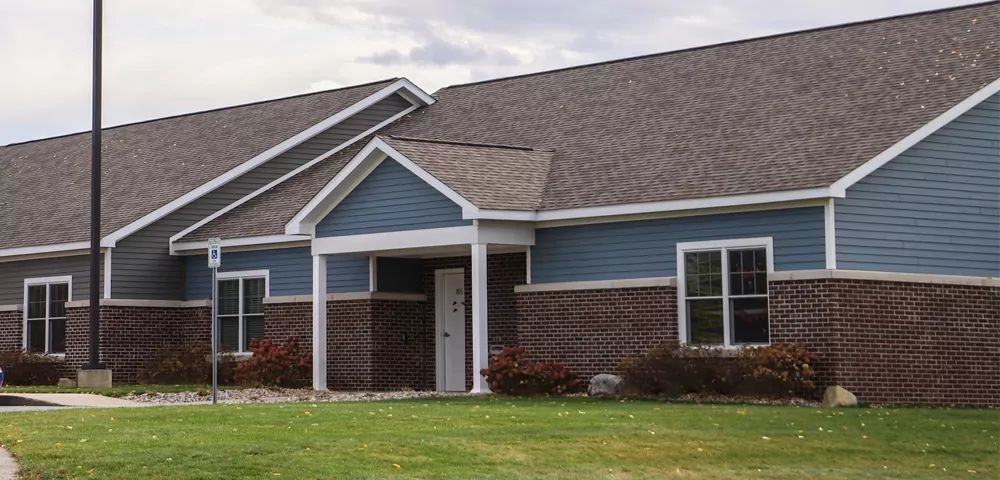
722 292
45 313
241 308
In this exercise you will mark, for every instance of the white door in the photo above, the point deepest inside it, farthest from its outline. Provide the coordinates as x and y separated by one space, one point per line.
451 306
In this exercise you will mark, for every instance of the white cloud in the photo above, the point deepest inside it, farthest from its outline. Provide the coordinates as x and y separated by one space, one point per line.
164 58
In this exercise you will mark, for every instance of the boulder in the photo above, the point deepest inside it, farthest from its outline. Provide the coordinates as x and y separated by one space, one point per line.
66 383
605 385
837 396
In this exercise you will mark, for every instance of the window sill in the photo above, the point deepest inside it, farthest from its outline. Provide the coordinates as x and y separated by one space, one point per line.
726 350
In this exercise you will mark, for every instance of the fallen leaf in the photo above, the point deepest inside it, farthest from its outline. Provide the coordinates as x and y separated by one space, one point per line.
396 465
766 438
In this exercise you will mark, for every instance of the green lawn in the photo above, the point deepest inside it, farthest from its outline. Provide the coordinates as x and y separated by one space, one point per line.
505 438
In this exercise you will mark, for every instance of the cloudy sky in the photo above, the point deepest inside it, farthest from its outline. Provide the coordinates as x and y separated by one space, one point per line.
170 57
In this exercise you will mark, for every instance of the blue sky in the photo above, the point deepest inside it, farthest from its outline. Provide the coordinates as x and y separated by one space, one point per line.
164 58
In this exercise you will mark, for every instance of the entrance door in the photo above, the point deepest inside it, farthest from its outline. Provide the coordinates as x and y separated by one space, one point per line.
451 329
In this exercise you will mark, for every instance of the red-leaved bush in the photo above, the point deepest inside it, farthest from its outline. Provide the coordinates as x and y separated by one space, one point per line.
274 365
510 372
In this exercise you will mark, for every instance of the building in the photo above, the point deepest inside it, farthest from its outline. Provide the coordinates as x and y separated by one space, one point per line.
837 186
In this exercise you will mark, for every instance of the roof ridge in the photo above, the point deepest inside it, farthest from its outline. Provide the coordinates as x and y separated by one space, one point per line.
468 144
723 44
199 112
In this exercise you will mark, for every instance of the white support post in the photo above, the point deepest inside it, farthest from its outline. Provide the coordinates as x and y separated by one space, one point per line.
830 231
319 322
480 327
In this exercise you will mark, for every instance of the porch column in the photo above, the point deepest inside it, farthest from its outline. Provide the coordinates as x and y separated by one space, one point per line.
480 329
319 322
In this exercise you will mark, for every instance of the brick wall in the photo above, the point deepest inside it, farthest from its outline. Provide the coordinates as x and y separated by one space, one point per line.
590 331
11 330
403 350
284 320
893 342
130 335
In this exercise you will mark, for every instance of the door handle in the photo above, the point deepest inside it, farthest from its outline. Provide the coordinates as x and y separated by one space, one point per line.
446 334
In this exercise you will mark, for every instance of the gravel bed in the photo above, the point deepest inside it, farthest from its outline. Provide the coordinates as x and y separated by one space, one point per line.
263 395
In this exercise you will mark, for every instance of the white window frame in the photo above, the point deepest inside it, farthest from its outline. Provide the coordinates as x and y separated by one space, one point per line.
47 281
724 246
241 276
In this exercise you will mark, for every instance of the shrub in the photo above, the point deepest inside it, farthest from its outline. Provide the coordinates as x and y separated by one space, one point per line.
787 366
672 369
274 365
29 369
186 364
510 372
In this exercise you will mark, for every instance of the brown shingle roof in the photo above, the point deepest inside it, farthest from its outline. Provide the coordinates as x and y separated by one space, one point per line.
45 184
492 177
785 112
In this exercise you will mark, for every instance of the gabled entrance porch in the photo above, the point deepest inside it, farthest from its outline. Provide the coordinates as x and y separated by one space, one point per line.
427 320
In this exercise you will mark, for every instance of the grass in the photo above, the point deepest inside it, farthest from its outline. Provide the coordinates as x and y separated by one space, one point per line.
118 391
505 438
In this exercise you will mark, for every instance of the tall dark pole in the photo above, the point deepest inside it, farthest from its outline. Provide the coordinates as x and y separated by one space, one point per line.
95 200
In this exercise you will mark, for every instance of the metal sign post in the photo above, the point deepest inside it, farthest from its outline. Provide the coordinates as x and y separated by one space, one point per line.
214 261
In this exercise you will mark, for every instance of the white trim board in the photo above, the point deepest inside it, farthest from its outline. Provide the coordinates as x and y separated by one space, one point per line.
830 234
305 220
235 244
288 176
48 250
518 234
107 273
840 186
809 195
399 85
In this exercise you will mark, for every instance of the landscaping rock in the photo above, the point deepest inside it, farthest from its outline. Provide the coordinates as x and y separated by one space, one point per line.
66 383
605 385
837 396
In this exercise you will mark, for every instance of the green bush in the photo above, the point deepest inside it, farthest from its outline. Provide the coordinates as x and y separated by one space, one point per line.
274 365
29 369
511 373
186 364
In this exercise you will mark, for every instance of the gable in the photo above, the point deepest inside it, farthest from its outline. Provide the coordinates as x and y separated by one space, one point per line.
390 199
934 208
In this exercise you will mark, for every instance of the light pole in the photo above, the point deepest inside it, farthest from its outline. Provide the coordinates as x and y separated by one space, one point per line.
95 199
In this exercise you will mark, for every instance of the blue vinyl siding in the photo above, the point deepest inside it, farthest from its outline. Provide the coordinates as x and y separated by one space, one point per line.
648 248
935 209
391 199
290 271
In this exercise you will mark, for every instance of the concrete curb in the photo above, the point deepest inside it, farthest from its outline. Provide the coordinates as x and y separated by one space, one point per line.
8 466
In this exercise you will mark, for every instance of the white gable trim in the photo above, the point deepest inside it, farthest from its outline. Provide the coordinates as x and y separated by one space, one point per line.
235 244
288 175
840 186
304 222
401 85
43 251
560 217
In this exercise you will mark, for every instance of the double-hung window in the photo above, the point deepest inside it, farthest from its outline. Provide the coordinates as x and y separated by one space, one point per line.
722 291
241 308
45 313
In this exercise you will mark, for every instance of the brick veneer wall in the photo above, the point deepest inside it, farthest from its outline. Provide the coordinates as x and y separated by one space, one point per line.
131 335
894 342
11 330
402 348
590 331
284 320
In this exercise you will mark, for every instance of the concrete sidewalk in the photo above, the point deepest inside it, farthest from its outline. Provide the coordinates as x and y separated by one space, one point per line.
75 400
8 466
